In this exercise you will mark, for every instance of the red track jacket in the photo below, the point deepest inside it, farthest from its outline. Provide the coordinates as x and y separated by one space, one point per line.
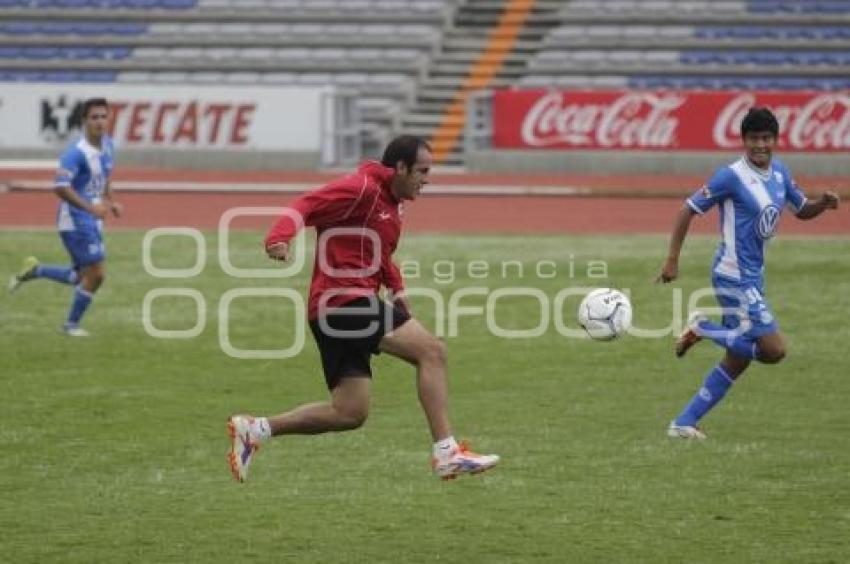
356 261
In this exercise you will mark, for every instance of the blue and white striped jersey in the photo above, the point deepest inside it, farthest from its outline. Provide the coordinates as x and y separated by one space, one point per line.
86 169
751 202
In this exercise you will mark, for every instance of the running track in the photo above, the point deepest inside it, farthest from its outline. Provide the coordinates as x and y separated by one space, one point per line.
617 212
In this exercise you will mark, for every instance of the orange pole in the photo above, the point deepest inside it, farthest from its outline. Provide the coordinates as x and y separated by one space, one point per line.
499 44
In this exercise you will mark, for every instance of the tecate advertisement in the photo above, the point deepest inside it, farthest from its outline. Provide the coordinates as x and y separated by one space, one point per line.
167 117
666 120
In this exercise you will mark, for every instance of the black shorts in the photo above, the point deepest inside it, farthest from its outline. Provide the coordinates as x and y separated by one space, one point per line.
347 337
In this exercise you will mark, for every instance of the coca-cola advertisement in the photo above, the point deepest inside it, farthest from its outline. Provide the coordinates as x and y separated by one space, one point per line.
665 120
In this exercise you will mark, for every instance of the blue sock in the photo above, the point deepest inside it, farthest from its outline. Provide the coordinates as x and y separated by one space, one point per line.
739 345
716 384
82 299
63 274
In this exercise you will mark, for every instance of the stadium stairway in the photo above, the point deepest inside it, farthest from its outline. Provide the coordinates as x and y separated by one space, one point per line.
488 44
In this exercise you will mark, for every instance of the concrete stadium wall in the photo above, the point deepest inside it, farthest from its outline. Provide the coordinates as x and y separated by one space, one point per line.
193 160
643 162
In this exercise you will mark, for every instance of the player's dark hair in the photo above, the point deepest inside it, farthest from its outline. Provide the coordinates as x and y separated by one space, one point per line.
759 119
94 103
404 148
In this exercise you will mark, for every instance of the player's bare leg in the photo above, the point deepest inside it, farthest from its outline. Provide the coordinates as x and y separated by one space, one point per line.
414 343
348 409
734 365
92 276
771 348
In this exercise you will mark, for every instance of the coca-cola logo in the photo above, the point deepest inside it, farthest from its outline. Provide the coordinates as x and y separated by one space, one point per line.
821 122
634 119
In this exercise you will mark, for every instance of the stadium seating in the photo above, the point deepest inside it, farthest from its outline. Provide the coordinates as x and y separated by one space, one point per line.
696 44
379 49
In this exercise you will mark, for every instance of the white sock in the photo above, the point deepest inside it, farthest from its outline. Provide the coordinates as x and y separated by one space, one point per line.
261 428
445 447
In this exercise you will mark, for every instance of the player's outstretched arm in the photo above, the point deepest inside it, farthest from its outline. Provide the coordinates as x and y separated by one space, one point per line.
811 209
670 269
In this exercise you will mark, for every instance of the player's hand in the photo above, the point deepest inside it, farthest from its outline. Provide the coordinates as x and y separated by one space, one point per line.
830 200
278 251
669 272
116 209
99 210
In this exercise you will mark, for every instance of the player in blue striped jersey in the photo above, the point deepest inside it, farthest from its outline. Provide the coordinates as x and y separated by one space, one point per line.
82 184
751 194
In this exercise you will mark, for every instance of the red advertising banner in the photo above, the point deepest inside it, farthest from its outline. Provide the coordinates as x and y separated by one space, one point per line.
666 120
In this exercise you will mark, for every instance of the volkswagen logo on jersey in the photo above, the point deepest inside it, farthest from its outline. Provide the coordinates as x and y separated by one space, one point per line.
767 221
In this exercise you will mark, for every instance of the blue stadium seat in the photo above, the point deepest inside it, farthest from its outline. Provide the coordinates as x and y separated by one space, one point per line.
80 53
699 57
818 57
178 4
141 4
775 32
788 83
22 76
97 76
833 7
57 28
14 3
768 58
60 76
754 32
127 28
842 83
115 53
710 32
10 52
735 82
20 28
764 6
73 4
90 28
836 32
41 53
57 76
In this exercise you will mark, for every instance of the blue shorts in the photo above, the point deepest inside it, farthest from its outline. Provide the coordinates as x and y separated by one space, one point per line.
747 298
84 245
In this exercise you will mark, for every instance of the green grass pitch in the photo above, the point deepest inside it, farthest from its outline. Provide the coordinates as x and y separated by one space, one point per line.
113 449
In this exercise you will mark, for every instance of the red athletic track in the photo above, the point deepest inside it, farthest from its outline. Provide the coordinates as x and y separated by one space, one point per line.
647 184
450 214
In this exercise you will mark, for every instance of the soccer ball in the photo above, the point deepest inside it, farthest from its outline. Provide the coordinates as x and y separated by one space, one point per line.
605 313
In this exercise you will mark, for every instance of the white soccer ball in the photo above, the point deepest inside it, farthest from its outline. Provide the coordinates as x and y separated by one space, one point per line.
605 313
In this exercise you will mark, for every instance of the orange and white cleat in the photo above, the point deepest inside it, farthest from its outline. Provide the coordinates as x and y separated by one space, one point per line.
243 445
462 461
689 336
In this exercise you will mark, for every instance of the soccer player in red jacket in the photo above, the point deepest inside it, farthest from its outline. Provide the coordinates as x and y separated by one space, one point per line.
358 224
